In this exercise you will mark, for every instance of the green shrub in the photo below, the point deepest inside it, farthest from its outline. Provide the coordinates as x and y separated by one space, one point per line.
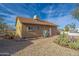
64 42
74 45
62 39
10 35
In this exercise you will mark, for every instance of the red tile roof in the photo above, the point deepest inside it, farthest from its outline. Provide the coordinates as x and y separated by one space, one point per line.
32 21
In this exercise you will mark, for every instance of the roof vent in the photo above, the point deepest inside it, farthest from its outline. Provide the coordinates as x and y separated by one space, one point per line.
36 17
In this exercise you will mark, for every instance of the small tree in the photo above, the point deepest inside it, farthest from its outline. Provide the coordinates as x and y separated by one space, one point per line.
66 28
75 13
2 24
72 26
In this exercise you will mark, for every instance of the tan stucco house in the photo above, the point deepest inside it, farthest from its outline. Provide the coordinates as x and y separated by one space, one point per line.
27 27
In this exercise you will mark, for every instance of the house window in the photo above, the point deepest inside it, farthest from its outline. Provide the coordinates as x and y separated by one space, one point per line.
36 27
30 28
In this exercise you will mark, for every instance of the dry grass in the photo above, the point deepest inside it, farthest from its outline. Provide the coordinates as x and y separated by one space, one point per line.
46 47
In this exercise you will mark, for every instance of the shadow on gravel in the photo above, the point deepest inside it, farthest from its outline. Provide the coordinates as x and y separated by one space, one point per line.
9 47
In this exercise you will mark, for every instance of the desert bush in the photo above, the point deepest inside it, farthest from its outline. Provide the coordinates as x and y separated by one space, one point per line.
64 42
63 39
10 35
74 45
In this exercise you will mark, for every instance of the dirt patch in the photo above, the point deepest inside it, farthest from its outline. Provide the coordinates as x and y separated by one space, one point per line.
46 47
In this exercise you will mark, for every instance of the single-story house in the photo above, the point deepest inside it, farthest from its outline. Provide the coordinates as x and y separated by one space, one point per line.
27 27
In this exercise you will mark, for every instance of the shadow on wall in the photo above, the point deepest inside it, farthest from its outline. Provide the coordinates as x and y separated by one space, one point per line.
13 46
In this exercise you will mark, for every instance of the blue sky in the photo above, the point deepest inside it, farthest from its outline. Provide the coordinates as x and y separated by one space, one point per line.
59 14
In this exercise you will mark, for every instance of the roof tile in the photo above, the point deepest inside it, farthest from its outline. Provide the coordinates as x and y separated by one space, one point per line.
32 21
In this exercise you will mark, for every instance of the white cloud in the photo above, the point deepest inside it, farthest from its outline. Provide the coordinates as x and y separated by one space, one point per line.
62 21
7 9
58 10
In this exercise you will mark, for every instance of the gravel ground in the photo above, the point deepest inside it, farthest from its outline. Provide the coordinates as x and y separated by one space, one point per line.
46 47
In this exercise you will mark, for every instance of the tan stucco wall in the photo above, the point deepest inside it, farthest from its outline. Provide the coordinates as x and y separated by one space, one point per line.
18 28
24 30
